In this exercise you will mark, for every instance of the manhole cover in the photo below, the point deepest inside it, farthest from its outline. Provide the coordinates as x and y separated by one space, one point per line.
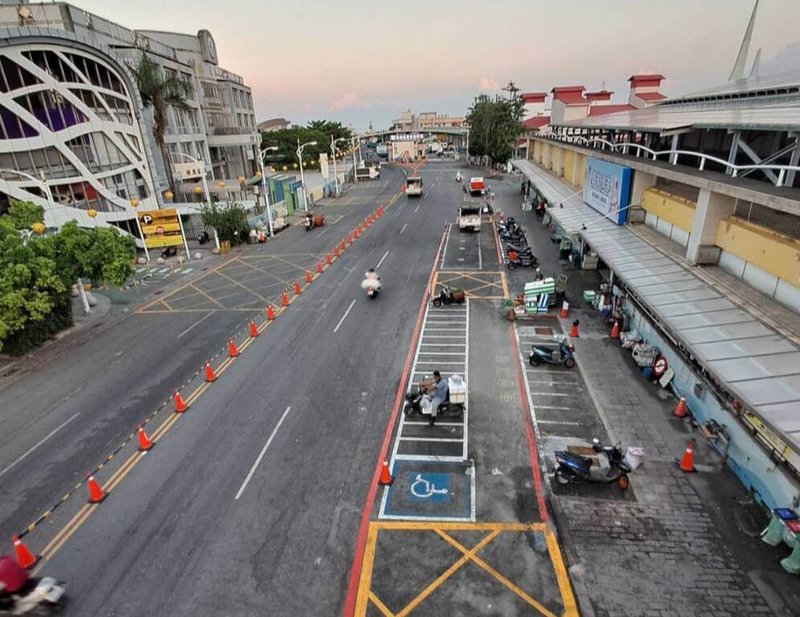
543 330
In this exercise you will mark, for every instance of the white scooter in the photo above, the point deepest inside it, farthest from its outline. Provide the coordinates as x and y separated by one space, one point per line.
44 593
458 177
372 285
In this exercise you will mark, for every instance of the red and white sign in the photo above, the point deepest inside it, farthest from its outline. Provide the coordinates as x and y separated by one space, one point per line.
660 366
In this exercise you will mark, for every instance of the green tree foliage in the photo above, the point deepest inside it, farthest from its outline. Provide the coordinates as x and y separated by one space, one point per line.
229 221
495 124
23 214
36 274
160 91
286 140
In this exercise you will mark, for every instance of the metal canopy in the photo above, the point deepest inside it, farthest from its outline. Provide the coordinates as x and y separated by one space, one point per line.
757 365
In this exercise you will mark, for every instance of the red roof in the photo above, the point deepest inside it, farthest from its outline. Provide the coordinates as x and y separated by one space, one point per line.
600 95
601 110
521 142
536 122
646 80
534 97
650 96
570 95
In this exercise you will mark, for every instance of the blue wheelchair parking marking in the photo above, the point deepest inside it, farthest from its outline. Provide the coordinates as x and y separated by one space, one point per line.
429 487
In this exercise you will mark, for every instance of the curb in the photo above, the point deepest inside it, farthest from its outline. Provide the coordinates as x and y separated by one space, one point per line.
579 588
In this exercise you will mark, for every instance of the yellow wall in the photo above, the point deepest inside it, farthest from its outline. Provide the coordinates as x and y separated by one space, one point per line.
777 254
534 150
671 208
568 162
581 163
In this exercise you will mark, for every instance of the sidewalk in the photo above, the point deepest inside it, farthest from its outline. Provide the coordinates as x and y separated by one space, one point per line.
677 544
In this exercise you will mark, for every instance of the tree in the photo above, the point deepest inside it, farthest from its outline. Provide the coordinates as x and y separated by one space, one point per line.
286 140
495 124
160 92
230 222
23 214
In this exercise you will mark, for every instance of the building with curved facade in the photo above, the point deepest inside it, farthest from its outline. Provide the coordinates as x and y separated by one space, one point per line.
75 136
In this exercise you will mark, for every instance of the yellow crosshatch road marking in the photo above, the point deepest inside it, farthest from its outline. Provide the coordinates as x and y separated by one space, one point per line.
473 282
367 597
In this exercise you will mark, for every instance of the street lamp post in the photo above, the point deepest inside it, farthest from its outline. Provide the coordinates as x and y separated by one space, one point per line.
333 154
302 177
41 183
135 204
264 187
202 164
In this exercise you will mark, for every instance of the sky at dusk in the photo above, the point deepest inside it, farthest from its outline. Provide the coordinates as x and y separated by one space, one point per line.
362 61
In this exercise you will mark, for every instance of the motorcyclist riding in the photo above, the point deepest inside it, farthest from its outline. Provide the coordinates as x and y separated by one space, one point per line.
371 283
436 394
458 176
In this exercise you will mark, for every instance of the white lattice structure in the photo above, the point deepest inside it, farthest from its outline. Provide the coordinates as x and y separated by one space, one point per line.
68 116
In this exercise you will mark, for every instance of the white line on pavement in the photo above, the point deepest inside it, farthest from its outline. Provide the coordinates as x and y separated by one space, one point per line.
385 255
338 325
197 323
560 422
417 208
263 452
322 232
403 229
41 441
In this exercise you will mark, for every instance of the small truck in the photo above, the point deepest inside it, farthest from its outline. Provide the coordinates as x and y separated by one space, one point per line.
414 187
469 218
476 186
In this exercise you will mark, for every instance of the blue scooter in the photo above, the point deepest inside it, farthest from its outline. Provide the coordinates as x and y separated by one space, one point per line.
560 352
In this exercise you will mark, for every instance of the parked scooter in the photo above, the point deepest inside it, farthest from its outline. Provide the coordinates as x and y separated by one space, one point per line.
448 295
524 259
203 237
560 352
573 468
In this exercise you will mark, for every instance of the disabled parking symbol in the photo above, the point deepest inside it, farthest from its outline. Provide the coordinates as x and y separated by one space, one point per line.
429 487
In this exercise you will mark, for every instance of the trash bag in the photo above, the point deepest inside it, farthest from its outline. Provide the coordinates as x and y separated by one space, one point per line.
645 355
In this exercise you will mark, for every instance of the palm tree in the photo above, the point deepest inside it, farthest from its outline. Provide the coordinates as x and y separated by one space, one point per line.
160 91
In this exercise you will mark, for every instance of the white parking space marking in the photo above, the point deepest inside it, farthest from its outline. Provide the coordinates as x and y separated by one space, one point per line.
336 329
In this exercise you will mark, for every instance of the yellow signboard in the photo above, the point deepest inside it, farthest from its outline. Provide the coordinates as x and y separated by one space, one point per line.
160 228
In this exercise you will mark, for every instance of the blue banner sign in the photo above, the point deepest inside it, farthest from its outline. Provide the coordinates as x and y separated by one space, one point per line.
607 189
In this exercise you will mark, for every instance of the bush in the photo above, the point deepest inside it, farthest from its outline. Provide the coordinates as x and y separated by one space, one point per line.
229 221
37 331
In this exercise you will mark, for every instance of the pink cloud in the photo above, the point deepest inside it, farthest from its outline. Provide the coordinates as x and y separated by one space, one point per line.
487 83
347 100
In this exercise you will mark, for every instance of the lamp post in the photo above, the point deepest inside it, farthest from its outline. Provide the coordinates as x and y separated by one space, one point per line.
41 183
333 154
264 187
302 177
135 204
353 145
202 165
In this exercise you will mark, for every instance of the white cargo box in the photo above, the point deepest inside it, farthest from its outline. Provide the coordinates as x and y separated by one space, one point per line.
458 389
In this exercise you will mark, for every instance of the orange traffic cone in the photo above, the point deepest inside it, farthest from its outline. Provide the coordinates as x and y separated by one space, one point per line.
328 259
686 463
270 312
210 376
308 276
319 267
680 410
615 330
144 441
180 406
360 229
284 298
574 332
232 351
253 329
564 309
336 251
342 246
25 558
386 477
297 289
380 211
96 494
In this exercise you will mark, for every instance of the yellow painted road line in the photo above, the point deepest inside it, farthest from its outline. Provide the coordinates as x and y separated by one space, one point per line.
472 555
570 606
66 532
165 426
447 573
258 295
196 394
505 284
456 526
164 302
267 272
435 282
381 606
366 571
203 293
123 471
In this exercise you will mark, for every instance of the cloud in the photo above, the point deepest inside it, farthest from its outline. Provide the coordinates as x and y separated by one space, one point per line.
487 83
788 59
348 100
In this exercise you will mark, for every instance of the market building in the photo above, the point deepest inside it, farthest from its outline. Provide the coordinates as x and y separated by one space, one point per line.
691 206
76 137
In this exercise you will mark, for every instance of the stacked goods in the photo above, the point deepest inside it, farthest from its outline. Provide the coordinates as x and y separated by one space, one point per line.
588 296
537 295
458 389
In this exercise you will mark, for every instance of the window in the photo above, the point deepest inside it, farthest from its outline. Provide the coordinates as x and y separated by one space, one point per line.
13 76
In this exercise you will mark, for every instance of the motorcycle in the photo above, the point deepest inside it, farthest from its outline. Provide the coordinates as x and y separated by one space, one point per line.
372 285
458 177
309 223
203 237
447 295
560 353
21 594
525 259
573 468
417 403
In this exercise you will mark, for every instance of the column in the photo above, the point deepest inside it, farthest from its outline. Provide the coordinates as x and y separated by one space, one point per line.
711 209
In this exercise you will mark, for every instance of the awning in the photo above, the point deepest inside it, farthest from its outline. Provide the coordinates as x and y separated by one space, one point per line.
757 365
254 180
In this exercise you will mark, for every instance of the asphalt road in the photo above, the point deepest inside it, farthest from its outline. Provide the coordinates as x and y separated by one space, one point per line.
299 416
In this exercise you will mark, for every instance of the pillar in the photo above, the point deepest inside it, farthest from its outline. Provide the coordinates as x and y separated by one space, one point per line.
711 209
